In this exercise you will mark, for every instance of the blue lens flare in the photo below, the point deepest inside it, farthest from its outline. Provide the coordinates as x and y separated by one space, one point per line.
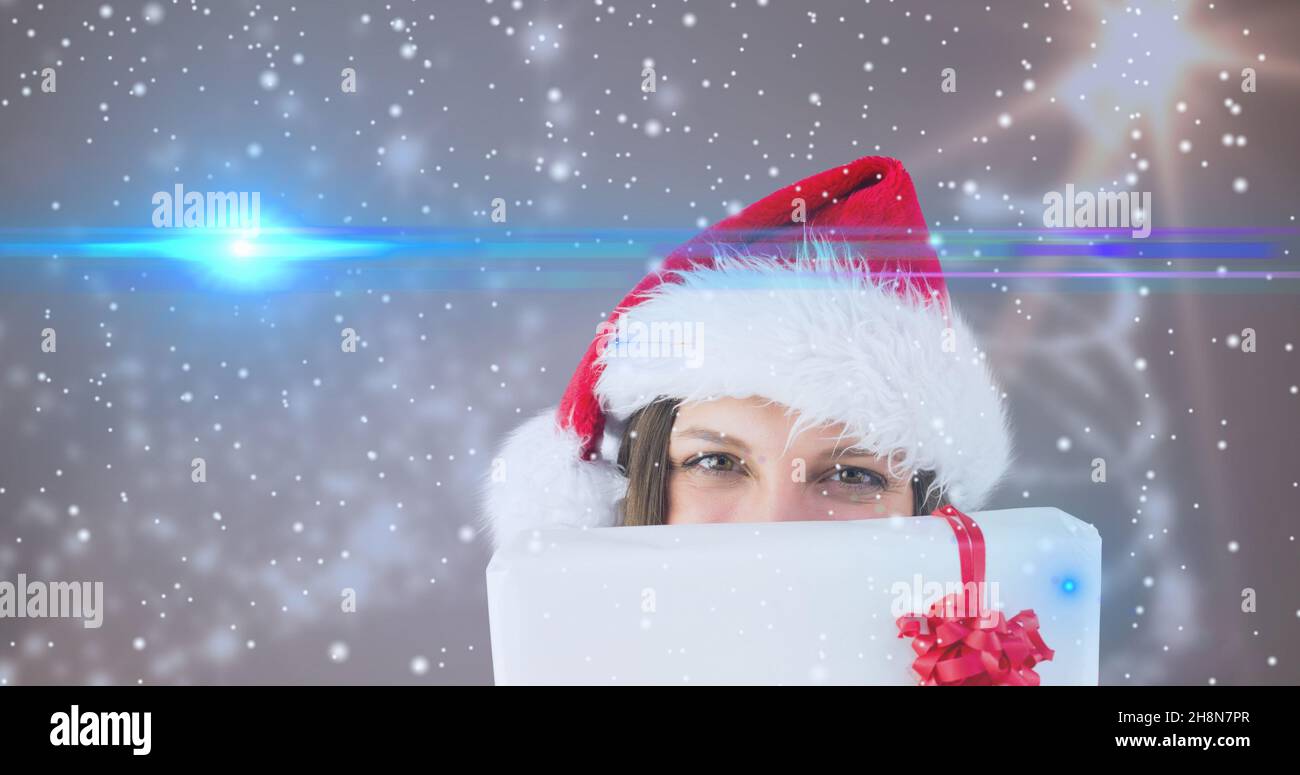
283 255
248 258
243 258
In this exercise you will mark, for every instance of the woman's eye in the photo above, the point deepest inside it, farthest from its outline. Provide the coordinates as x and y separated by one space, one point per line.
852 476
712 463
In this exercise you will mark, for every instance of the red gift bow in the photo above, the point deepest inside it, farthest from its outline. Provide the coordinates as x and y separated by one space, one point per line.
957 644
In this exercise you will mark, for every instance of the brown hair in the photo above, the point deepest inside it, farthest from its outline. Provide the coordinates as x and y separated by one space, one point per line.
643 458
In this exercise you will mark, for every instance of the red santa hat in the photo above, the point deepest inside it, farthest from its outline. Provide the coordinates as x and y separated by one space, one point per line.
825 297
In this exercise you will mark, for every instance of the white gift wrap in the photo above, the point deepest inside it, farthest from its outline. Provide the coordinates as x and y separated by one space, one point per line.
776 603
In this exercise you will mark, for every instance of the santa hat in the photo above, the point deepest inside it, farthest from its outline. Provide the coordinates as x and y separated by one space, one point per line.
825 297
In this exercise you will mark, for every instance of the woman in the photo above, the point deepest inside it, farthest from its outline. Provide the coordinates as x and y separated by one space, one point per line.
799 360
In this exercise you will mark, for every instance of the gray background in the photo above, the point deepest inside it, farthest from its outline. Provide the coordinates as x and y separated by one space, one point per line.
333 471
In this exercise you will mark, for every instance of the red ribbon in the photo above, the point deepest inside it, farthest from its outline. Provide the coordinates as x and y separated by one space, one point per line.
958 644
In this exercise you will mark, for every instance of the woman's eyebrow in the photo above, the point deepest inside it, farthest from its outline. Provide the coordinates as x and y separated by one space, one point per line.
704 434
837 454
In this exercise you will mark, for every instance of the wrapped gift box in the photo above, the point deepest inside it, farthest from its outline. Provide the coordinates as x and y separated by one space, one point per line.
777 603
